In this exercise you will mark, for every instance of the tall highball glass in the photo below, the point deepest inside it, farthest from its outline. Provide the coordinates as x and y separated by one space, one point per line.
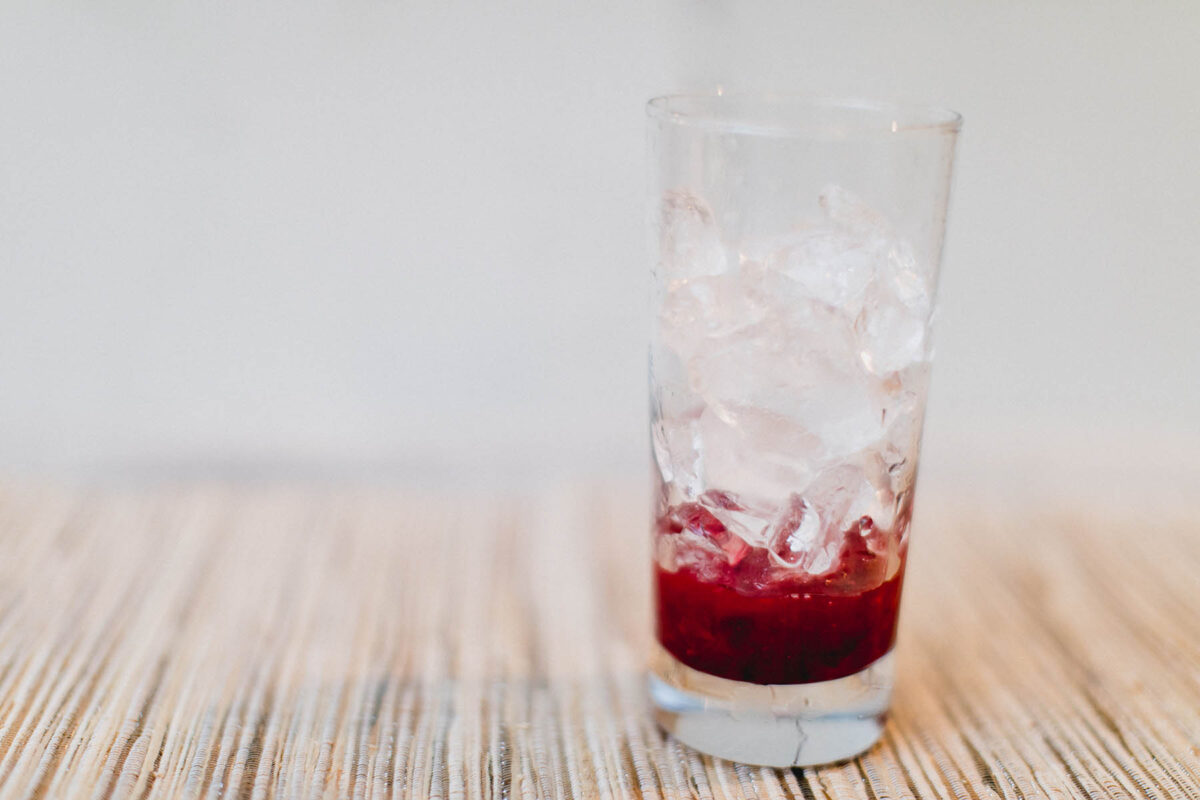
798 245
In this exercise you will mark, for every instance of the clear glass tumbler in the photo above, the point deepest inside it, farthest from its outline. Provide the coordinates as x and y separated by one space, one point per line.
798 245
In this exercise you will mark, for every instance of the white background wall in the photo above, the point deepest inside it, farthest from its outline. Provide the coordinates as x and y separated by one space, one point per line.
406 238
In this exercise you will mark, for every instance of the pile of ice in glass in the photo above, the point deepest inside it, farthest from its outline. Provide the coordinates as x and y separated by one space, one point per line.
791 375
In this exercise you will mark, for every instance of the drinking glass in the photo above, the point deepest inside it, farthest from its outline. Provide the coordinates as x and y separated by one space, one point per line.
798 246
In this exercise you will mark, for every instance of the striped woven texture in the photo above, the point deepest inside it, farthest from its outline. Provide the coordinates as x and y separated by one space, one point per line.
211 642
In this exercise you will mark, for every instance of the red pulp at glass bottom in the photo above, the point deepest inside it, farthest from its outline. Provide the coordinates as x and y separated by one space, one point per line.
802 636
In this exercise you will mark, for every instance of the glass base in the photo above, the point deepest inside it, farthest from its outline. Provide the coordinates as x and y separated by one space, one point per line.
797 725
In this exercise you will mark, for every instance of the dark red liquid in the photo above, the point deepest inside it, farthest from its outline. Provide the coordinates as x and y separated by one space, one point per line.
812 628
789 638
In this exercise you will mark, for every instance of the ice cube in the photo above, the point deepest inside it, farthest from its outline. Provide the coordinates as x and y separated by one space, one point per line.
851 212
759 458
805 396
691 244
899 455
842 494
677 454
899 448
827 265
844 412
911 284
880 503
796 537
892 335
737 514
688 550
699 312
867 266
695 519
861 561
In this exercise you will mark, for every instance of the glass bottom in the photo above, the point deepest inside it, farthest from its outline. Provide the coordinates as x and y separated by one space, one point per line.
797 725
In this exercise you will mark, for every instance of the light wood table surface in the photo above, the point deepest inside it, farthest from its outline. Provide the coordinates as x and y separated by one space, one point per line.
216 642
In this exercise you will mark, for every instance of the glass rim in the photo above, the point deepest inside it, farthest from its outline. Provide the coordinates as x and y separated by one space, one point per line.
781 115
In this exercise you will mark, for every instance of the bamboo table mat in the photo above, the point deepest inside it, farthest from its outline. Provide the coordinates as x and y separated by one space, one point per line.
214 642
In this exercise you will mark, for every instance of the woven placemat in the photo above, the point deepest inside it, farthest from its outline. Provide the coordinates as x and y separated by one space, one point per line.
214 642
